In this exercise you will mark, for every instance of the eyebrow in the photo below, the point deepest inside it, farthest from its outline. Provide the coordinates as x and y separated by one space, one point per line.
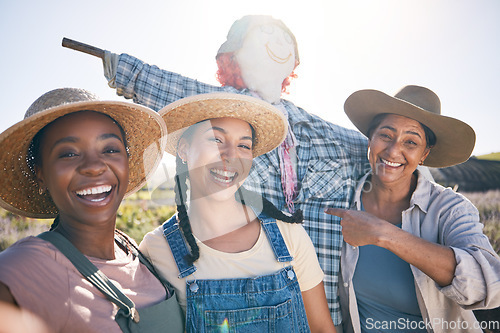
394 130
74 139
220 129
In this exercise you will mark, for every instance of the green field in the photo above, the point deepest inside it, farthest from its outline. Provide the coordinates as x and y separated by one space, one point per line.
491 157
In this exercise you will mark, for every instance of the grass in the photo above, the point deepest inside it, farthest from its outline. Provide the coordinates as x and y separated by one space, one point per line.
492 157
488 205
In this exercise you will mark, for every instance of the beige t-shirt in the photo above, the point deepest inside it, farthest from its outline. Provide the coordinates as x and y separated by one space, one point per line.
257 261
44 281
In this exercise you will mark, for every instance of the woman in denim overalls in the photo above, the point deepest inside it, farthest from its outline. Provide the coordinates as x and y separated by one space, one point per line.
237 263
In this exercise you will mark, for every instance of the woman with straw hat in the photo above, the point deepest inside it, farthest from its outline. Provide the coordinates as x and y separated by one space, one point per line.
414 257
74 158
236 261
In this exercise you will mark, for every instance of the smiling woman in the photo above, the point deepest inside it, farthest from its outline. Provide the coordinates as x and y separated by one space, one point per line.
74 158
225 238
412 248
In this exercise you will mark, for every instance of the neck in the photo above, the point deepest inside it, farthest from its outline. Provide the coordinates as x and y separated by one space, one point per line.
210 219
91 241
388 201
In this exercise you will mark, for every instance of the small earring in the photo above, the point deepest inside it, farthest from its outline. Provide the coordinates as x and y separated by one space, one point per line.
421 163
41 190
183 162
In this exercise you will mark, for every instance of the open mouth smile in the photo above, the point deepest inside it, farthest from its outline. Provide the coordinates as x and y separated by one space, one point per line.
391 164
223 176
95 194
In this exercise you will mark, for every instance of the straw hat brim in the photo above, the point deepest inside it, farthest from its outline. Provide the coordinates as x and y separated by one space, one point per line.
455 139
269 124
145 135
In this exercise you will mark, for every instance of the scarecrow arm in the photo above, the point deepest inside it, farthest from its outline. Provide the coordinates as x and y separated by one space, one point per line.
85 48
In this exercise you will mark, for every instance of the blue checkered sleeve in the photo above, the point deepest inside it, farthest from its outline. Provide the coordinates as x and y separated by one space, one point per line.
154 87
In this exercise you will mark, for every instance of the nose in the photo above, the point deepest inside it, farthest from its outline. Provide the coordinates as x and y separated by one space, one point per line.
228 152
394 148
92 165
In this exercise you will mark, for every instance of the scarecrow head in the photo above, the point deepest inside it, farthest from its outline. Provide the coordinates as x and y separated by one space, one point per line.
260 54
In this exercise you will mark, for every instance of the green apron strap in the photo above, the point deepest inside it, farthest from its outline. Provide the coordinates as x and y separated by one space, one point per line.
92 273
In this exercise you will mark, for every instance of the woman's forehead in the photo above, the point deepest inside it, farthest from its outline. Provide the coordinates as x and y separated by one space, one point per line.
398 121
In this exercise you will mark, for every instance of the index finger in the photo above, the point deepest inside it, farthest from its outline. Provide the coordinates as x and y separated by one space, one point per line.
340 212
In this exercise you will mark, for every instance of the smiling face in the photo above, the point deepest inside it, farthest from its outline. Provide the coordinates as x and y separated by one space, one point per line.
84 166
396 148
266 58
219 157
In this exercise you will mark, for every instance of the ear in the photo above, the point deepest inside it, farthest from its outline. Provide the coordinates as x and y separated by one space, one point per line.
183 149
39 177
425 154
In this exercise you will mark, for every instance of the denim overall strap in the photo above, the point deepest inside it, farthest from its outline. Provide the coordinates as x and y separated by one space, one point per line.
275 239
178 246
266 303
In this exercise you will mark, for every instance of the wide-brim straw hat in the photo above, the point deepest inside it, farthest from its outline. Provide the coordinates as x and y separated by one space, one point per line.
145 134
269 124
455 139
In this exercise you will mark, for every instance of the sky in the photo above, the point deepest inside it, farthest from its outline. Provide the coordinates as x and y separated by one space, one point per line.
449 46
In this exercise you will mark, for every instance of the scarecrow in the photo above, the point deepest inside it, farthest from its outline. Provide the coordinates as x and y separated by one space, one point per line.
318 163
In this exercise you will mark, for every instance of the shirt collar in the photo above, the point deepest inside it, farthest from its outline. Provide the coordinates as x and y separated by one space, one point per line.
420 197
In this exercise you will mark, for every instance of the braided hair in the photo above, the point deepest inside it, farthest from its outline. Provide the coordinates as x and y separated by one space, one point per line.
180 189
244 196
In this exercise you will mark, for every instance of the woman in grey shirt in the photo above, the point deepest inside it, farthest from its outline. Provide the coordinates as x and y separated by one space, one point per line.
414 256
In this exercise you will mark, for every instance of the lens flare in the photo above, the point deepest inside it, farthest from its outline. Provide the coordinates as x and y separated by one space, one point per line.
225 326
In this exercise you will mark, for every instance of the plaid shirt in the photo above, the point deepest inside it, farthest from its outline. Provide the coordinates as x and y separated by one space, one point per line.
330 159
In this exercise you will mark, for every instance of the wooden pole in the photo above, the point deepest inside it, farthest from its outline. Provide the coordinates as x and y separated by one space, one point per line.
85 48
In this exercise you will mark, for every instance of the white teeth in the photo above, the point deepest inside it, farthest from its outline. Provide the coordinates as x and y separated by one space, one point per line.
228 175
223 173
222 180
95 190
392 164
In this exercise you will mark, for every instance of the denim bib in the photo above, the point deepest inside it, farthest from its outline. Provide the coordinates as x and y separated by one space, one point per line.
268 303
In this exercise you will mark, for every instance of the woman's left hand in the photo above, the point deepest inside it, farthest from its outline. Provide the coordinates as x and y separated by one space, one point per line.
359 228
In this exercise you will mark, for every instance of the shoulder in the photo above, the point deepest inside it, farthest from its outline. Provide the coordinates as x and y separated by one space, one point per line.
307 124
447 198
153 240
293 234
27 264
28 249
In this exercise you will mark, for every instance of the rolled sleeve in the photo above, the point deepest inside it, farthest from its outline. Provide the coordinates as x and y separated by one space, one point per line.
476 283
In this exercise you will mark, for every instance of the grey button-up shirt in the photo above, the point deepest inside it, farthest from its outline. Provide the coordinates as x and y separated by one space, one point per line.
442 216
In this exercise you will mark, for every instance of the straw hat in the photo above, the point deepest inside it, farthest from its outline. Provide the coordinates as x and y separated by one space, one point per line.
454 139
269 124
19 191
